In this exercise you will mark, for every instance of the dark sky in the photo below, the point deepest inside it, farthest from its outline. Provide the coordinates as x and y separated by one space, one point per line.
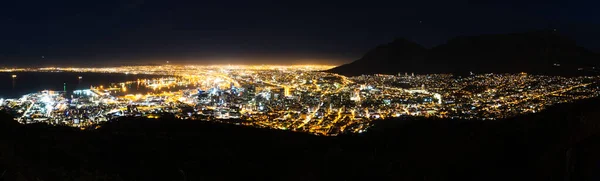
94 33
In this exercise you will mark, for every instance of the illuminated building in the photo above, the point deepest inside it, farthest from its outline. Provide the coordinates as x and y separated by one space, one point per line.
287 91
323 103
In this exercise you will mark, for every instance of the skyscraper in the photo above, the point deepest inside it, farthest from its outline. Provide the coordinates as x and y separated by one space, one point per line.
287 92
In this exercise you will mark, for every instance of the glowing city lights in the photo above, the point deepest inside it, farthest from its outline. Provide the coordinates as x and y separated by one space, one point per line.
296 98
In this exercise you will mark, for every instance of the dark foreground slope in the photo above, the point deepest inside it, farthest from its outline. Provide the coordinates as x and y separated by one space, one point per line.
557 144
542 52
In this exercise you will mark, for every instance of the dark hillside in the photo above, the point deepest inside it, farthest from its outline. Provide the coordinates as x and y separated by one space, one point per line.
553 145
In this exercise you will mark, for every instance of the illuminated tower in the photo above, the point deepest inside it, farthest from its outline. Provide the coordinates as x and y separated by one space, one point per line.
286 91
355 96
438 97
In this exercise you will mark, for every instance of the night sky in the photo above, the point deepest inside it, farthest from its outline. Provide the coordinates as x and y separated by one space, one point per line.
82 33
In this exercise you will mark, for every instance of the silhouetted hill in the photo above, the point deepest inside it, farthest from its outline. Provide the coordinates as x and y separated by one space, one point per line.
541 52
387 59
555 144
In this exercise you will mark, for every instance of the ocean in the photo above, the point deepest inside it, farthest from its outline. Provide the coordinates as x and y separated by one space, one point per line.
31 82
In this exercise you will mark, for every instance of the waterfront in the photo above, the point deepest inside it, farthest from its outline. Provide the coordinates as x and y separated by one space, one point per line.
32 82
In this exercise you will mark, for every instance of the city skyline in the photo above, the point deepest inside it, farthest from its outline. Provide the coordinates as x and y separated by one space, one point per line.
299 98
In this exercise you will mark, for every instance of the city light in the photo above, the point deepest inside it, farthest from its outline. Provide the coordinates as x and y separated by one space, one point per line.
297 98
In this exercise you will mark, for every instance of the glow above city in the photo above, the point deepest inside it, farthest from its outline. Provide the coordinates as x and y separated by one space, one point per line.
298 98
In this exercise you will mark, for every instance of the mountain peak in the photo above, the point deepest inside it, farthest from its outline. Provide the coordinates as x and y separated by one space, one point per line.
401 42
386 58
532 52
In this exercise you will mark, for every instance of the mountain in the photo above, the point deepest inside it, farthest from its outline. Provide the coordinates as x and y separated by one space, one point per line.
541 52
385 59
401 54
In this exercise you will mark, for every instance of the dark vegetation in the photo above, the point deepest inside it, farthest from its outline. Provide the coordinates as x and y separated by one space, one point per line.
541 52
562 143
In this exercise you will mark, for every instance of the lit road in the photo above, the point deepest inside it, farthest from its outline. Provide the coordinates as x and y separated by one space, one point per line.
549 93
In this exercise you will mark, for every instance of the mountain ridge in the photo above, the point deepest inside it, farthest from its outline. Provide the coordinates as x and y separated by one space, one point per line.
537 52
